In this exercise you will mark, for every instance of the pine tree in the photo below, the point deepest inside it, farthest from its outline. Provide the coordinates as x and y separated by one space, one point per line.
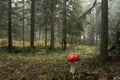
104 29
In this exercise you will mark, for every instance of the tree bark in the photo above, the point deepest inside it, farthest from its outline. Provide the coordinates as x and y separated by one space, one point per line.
23 24
45 29
64 35
52 9
104 29
9 27
32 23
52 33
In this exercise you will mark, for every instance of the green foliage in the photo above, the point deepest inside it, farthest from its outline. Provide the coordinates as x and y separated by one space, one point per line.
75 25
41 53
3 18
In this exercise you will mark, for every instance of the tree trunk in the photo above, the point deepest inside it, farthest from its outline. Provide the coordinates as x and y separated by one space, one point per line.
9 27
104 29
32 23
91 30
23 24
52 9
96 39
46 30
64 42
39 33
84 38
52 33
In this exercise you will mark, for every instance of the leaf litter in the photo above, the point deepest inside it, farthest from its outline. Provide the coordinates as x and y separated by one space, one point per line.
53 69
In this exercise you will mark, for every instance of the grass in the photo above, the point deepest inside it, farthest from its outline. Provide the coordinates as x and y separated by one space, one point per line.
42 53
52 65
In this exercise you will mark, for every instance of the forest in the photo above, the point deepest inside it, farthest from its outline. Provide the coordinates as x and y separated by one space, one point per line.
59 40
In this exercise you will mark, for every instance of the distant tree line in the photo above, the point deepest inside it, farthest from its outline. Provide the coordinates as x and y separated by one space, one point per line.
60 21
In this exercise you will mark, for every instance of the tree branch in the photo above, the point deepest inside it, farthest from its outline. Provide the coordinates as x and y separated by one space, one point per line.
89 10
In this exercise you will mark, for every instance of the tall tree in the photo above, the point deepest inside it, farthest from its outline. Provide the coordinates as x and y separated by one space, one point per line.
32 24
45 12
46 30
64 42
23 23
104 28
52 10
9 27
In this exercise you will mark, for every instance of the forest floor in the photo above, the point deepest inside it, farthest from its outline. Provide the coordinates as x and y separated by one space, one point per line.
53 66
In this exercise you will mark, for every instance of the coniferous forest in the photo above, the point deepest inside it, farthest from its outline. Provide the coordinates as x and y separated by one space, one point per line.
59 40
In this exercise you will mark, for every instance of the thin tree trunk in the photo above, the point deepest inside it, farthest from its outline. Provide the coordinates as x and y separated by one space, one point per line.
52 33
32 23
39 33
52 9
23 24
26 33
91 30
104 29
80 42
72 40
84 39
9 27
64 27
46 30
96 40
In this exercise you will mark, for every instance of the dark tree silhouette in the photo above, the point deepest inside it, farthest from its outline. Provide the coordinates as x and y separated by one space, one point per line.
64 42
32 23
9 27
104 29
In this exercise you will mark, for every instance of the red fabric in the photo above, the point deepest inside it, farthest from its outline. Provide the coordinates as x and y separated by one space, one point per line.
72 57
